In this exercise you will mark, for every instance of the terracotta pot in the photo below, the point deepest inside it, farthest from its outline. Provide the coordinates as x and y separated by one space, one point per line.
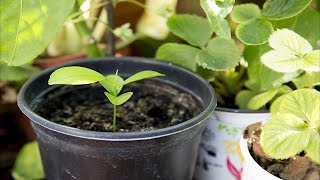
54 61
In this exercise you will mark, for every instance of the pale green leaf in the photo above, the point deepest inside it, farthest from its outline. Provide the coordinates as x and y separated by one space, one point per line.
281 62
28 164
119 99
245 12
313 149
288 42
283 9
216 12
284 136
303 103
254 32
311 61
307 79
142 75
243 98
194 29
12 73
275 106
113 84
28 26
220 54
74 75
179 54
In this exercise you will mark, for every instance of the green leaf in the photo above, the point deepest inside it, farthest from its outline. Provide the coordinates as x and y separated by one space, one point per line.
313 149
311 61
281 62
283 9
179 54
28 164
194 29
220 54
12 73
142 75
254 32
243 98
275 106
262 99
284 136
304 80
245 12
216 12
302 103
27 27
113 84
119 99
74 75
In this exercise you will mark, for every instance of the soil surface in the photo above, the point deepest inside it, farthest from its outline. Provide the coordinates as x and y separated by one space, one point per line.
299 167
153 105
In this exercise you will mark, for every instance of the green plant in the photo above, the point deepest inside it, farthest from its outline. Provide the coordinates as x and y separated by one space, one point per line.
113 84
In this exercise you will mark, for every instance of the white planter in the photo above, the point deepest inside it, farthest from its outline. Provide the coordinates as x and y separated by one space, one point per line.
219 154
251 169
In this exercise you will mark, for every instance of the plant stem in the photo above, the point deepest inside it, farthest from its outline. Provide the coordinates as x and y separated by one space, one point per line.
114 118
90 43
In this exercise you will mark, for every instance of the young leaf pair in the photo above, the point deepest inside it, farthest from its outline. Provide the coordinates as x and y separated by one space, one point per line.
75 75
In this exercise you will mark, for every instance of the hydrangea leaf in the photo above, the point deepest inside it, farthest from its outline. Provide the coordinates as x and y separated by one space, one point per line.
283 9
284 136
28 164
74 75
313 149
220 54
216 11
254 32
179 54
245 12
195 30
27 27
243 97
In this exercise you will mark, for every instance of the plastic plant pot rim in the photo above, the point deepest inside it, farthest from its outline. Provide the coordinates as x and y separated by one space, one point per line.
246 111
117 136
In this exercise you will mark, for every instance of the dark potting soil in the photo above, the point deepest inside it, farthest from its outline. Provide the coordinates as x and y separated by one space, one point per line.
299 167
153 105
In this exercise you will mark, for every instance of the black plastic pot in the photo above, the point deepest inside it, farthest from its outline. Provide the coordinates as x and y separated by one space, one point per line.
168 153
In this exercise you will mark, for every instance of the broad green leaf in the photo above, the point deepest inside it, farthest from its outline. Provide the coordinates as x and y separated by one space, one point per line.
284 136
179 54
254 32
288 42
313 149
28 26
275 106
142 75
281 62
119 99
194 29
245 12
220 54
28 164
283 9
311 61
113 84
12 73
243 98
216 12
305 80
262 99
75 75
303 103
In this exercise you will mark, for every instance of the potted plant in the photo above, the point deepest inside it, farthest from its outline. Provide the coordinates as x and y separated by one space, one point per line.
245 88
157 150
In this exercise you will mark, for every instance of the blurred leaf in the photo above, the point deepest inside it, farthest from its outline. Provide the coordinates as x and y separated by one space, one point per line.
124 32
179 54
282 9
27 27
304 80
28 164
245 12
74 75
119 99
194 29
12 73
254 32
220 54
243 98
216 11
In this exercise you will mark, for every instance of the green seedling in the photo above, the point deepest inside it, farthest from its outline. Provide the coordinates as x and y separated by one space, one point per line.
75 75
